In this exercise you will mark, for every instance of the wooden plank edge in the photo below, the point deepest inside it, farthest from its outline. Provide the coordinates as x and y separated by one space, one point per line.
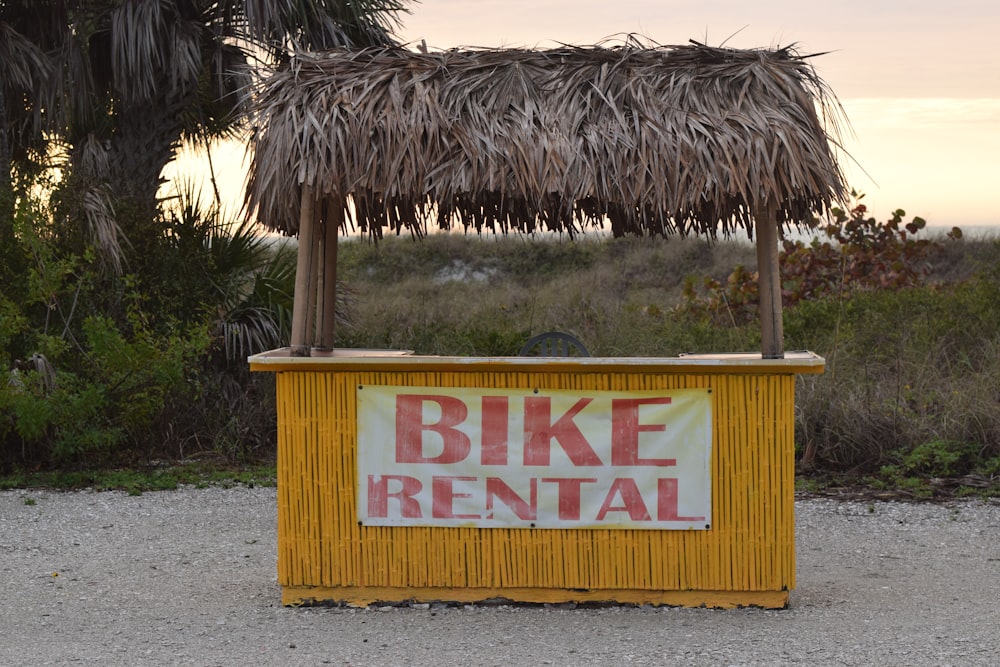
358 596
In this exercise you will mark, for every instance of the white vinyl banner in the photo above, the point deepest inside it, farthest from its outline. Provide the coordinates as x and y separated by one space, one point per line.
520 458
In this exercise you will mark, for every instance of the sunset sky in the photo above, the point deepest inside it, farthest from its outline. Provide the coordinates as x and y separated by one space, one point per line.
919 81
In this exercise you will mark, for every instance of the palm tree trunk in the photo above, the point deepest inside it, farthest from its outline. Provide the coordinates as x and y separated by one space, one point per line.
144 141
6 184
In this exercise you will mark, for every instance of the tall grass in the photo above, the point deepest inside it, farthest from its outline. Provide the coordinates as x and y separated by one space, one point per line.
450 294
912 382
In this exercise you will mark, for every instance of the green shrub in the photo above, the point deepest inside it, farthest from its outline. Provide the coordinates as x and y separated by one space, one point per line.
857 253
86 408
151 363
904 369
103 368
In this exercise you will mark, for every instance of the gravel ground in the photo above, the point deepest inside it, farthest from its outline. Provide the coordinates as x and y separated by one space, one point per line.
188 578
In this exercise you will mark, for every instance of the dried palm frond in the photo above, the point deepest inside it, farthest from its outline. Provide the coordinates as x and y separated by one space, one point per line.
41 370
102 227
654 140
91 159
25 65
92 164
25 69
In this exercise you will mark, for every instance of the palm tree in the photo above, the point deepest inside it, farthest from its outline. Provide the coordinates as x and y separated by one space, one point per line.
26 84
123 82
27 87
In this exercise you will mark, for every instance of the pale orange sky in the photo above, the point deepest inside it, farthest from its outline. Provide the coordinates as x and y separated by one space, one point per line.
919 81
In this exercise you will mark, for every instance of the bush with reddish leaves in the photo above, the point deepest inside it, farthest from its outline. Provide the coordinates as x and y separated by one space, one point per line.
851 252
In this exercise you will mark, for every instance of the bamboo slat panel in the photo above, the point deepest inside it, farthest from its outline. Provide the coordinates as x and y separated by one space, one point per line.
747 557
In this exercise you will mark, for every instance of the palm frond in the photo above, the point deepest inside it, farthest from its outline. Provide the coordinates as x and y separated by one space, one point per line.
91 159
27 84
138 28
651 139
25 65
283 26
102 227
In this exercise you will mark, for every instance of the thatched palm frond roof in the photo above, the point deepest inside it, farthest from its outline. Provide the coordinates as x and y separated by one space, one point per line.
654 139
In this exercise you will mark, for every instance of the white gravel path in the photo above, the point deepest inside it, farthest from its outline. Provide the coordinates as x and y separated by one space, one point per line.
188 578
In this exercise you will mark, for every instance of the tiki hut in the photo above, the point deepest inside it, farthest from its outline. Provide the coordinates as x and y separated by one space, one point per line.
640 139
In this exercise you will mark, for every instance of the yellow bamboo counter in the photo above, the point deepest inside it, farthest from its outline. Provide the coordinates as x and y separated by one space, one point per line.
629 480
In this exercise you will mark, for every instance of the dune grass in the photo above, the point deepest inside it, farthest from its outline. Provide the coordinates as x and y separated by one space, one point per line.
911 394
909 403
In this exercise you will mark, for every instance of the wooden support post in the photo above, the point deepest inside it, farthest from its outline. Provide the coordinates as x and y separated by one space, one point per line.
334 215
317 268
321 276
772 331
303 271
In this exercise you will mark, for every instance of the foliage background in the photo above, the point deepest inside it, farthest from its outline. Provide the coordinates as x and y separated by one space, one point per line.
107 371
908 321
125 319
